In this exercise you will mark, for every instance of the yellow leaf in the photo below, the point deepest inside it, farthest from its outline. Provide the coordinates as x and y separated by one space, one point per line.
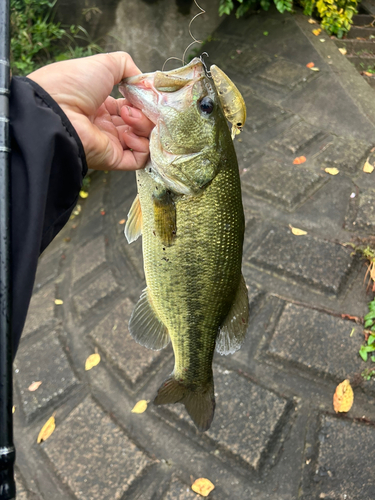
343 51
343 397
13 409
332 171
34 386
296 231
46 430
83 194
59 302
122 221
317 32
140 407
312 21
202 486
315 69
368 168
92 360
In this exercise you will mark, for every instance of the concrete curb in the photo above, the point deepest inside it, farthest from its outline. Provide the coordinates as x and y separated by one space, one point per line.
347 76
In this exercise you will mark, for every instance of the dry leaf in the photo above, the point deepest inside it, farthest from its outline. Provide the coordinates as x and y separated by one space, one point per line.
122 221
34 386
299 160
202 486
46 430
343 51
367 73
59 302
317 32
310 65
315 69
140 407
13 409
296 231
92 360
312 21
332 171
368 168
83 194
343 397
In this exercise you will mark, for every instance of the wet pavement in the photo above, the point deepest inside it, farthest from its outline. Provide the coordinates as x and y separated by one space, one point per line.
275 434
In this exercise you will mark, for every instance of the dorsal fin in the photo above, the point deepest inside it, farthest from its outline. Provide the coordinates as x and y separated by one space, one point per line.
233 331
133 227
145 327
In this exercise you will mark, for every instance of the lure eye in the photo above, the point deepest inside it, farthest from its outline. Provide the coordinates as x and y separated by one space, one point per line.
206 105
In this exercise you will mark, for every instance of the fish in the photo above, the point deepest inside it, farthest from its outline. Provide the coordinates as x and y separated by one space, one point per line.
189 212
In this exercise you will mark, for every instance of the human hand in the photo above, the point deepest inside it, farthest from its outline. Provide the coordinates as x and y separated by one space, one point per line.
114 134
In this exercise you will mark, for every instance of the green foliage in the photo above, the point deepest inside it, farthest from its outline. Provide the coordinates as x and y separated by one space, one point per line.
369 320
36 39
335 15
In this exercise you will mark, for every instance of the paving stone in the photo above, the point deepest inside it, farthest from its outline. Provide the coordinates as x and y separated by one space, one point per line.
88 258
22 492
298 137
321 264
345 450
280 181
361 211
43 361
247 417
98 461
262 114
113 337
244 61
345 154
48 268
103 287
180 491
285 73
336 345
42 310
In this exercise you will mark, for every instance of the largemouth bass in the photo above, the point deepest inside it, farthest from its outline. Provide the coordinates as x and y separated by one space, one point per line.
189 212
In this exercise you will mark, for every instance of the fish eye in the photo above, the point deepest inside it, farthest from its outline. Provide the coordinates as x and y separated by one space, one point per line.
206 105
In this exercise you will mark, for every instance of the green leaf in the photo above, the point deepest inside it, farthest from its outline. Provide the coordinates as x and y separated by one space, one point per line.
363 353
371 339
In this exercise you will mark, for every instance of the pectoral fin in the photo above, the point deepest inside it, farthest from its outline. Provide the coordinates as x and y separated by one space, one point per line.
145 327
165 217
233 331
133 227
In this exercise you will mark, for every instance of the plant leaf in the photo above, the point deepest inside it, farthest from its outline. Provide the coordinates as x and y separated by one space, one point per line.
34 386
368 168
296 231
299 160
332 171
202 486
92 360
46 430
343 397
140 407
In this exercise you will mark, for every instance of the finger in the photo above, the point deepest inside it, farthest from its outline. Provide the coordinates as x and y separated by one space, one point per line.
137 154
121 65
114 106
137 120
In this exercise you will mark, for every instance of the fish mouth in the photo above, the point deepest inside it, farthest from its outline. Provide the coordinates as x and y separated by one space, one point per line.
148 91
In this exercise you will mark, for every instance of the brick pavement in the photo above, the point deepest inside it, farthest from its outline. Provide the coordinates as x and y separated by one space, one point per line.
275 434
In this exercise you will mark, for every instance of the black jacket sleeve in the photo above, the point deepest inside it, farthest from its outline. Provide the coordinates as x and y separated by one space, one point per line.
46 171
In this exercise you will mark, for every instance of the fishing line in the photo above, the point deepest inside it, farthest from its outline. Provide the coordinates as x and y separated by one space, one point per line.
202 11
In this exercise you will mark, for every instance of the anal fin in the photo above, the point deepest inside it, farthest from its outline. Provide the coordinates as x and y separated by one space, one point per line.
233 331
145 327
133 227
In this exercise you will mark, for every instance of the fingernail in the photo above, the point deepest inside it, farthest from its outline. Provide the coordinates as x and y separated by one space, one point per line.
134 112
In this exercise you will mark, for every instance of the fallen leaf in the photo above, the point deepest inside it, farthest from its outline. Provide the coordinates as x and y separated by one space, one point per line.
312 21
265 33
332 171
367 73
315 69
343 51
34 386
202 486
59 302
102 212
310 65
13 409
368 168
343 397
296 231
46 430
122 221
83 194
357 319
317 32
140 407
322 39
299 160
92 360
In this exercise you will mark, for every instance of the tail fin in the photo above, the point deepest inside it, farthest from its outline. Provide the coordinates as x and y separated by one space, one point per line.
199 402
